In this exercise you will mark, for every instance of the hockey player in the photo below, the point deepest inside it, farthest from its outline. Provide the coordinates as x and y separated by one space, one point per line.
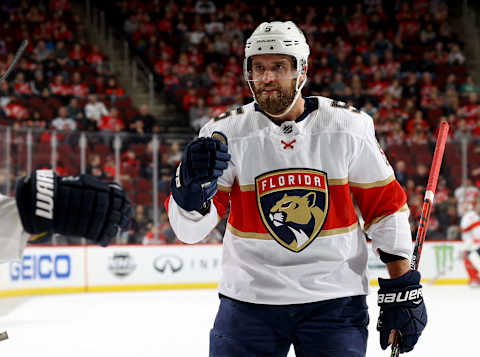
45 203
470 226
294 266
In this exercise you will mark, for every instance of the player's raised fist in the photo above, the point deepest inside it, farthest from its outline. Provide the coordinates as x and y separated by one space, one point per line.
75 205
195 181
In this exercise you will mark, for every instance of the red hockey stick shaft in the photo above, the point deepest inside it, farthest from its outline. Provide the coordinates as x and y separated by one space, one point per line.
426 210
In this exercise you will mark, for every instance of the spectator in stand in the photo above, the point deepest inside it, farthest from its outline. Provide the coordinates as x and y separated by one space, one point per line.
78 88
421 175
465 195
61 54
60 89
412 88
111 122
462 132
198 115
338 86
75 112
162 65
139 225
189 99
451 83
145 117
205 7
401 172
99 87
129 165
38 84
175 153
36 121
77 55
95 58
165 170
94 166
456 57
468 87
22 88
94 110
113 91
15 111
63 122
131 25
471 110
41 52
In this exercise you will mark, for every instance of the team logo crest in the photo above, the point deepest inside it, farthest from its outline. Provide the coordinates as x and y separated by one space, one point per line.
293 205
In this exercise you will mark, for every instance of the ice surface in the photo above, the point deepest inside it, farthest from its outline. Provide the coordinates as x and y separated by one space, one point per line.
177 323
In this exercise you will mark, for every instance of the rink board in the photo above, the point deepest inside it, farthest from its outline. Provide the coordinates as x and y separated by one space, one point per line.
71 269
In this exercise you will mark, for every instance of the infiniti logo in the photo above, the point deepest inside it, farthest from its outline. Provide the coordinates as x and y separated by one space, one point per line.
167 263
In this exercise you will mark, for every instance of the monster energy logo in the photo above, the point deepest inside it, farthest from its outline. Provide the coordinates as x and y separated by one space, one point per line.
444 258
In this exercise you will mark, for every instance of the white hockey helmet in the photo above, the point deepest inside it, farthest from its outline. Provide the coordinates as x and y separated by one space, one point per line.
278 38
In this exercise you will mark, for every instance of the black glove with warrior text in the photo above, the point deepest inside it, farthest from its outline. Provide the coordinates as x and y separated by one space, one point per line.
195 181
75 205
402 309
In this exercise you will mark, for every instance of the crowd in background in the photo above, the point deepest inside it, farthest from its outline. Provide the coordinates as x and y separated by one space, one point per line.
399 61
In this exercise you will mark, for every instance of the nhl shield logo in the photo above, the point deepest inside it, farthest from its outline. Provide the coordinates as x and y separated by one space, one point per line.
293 205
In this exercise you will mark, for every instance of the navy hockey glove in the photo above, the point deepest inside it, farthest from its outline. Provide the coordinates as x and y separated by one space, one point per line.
402 309
76 205
195 181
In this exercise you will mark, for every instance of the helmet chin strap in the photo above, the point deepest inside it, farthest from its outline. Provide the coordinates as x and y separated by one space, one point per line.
286 111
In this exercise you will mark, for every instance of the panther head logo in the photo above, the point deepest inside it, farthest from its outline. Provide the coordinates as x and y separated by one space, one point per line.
295 212
293 205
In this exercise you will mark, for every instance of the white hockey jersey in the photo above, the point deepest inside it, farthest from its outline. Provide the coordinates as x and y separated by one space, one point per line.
470 227
13 238
293 235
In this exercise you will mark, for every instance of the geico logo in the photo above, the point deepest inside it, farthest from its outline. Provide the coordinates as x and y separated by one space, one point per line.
166 263
401 296
33 267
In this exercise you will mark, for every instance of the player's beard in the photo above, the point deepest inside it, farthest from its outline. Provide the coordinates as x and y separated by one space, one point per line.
276 102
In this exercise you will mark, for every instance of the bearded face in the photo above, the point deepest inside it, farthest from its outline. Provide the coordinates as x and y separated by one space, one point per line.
274 97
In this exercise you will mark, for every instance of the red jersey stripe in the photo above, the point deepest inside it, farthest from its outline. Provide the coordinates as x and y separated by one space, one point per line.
471 227
379 201
245 217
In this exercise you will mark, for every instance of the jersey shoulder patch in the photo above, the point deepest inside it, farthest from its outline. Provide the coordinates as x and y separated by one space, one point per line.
230 113
340 116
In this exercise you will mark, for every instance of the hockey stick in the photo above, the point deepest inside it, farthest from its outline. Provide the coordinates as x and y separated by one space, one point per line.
19 54
426 210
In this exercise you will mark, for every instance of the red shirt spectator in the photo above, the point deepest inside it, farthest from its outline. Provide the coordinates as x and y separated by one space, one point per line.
357 26
95 57
56 5
63 34
58 87
77 53
22 88
15 111
470 111
113 89
111 122
378 86
189 99
78 88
